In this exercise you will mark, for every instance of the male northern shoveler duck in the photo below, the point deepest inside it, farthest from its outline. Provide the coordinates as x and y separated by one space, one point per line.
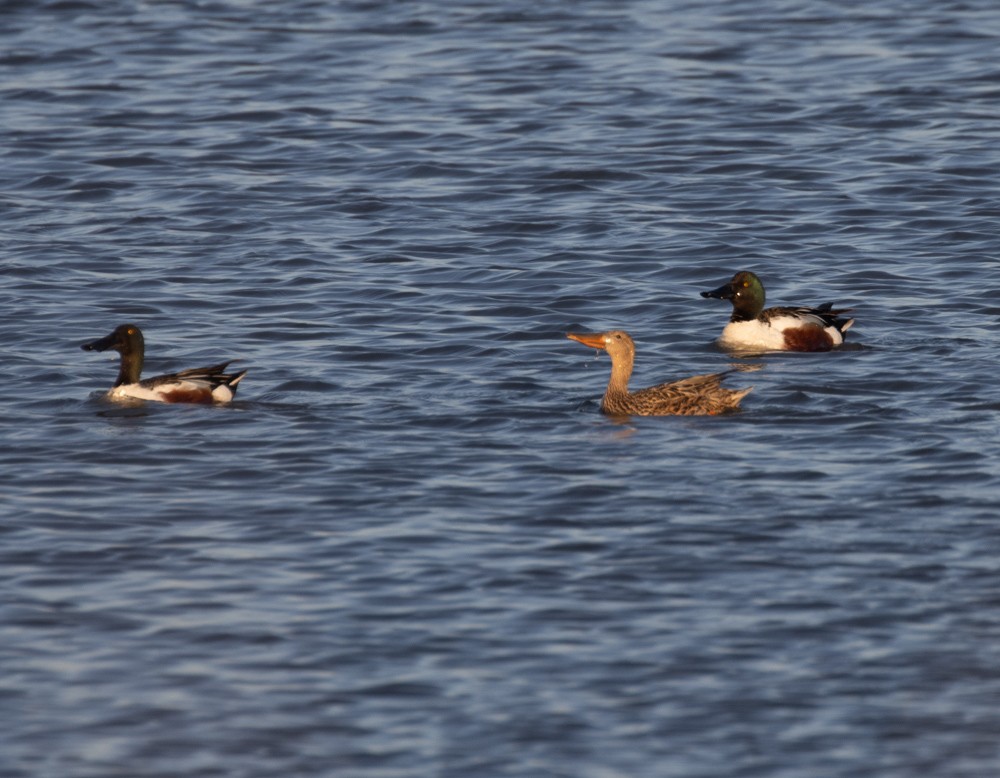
200 385
700 395
751 327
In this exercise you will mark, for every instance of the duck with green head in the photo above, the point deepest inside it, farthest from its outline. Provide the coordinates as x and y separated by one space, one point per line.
199 385
755 328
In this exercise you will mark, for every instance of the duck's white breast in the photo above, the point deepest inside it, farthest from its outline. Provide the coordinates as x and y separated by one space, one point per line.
134 392
752 335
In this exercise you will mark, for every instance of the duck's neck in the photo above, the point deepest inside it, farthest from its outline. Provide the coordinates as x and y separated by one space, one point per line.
621 371
130 369
748 310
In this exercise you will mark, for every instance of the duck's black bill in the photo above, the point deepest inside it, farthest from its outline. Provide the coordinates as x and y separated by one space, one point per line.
724 292
102 344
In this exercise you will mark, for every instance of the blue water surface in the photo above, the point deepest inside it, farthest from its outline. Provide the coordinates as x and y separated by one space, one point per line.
413 546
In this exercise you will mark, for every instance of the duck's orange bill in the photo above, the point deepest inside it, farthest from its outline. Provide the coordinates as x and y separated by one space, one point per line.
592 339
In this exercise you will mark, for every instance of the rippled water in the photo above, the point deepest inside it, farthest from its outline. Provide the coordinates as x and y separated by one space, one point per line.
413 546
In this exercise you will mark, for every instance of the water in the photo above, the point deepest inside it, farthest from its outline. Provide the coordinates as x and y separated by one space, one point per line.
413 546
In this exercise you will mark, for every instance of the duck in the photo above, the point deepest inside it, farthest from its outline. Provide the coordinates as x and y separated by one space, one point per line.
754 328
198 385
700 395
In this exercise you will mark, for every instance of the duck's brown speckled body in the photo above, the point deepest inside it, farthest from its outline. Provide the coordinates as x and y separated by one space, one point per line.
700 395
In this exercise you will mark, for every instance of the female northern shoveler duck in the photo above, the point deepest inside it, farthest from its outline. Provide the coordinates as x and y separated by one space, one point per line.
700 395
200 385
751 327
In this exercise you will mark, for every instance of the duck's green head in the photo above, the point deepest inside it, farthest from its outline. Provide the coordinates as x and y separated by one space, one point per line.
126 340
746 293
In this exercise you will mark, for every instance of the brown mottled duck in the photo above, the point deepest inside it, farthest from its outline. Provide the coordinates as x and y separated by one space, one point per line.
700 395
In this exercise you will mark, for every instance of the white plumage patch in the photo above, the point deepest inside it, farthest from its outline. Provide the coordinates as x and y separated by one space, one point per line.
162 392
751 335
222 394
770 336
134 392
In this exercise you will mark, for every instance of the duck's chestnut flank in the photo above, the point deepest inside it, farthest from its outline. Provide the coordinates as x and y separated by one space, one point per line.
201 395
807 338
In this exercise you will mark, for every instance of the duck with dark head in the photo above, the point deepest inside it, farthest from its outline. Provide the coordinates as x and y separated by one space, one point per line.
755 328
199 385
